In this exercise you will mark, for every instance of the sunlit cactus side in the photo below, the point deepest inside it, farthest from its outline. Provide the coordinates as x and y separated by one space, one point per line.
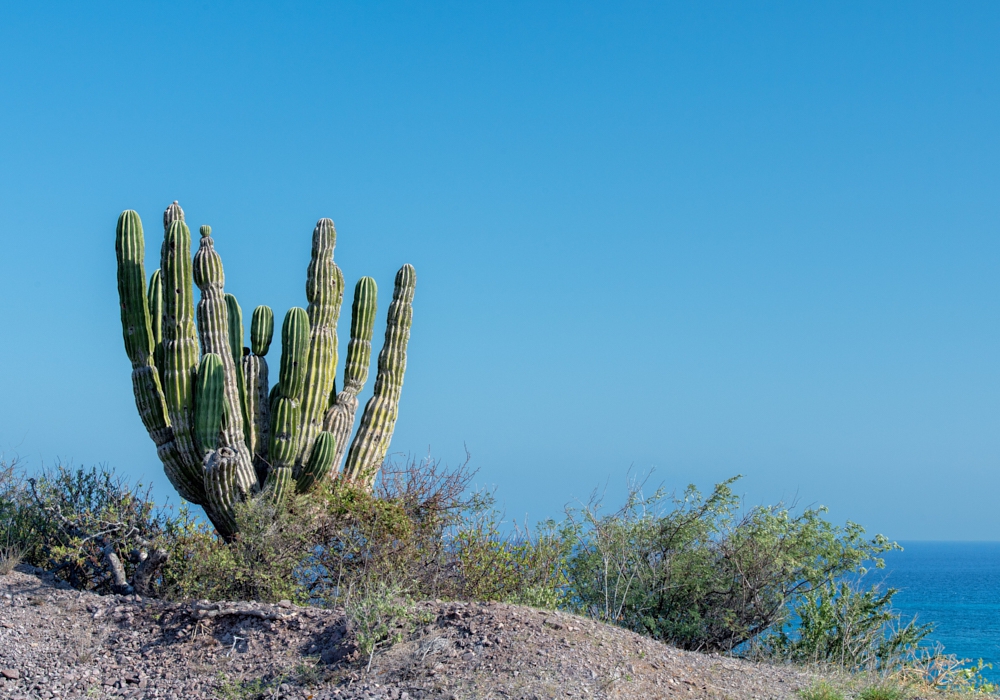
286 399
180 347
210 403
154 296
319 464
255 378
205 400
140 346
324 291
371 444
235 314
213 331
339 419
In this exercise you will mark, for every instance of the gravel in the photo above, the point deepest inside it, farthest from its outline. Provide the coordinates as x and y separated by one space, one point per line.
56 642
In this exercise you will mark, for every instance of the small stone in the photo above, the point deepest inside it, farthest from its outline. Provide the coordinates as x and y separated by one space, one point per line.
285 603
468 656
11 674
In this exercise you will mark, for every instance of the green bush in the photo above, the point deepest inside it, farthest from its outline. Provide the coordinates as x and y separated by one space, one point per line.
821 691
87 526
837 622
420 529
702 573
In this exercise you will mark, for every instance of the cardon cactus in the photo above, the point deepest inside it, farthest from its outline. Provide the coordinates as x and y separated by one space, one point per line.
222 433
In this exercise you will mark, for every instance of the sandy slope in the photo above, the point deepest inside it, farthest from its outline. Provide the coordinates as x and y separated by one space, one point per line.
57 642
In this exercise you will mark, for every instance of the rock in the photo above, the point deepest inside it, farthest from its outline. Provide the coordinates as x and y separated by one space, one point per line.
11 674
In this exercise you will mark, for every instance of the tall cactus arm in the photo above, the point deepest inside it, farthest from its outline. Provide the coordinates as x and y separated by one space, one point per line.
320 462
210 402
235 315
154 295
213 326
140 344
258 411
261 330
255 377
180 344
286 410
294 349
339 419
379 420
324 290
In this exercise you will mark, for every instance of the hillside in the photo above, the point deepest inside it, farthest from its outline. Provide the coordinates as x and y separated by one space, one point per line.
56 642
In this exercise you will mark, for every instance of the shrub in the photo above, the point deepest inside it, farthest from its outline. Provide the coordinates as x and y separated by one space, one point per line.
86 526
838 622
420 528
701 573
376 612
883 691
821 691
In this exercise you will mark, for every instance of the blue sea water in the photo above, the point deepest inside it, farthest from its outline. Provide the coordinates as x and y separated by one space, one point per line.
955 585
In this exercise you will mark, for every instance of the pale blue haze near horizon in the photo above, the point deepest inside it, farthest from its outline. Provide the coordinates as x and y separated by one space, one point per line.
704 238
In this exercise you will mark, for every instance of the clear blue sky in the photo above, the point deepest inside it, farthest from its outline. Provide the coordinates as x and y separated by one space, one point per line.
703 238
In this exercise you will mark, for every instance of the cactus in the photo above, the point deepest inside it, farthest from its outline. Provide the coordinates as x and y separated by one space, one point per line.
222 433
379 420
339 419
258 411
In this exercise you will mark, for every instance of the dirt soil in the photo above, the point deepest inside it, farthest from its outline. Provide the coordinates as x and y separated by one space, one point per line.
56 642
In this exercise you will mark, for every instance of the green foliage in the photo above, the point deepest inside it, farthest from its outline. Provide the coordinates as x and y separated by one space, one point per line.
821 691
703 573
261 562
883 691
836 622
87 526
512 567
377 612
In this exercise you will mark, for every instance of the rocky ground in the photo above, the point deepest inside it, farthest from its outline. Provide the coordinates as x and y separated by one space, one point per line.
56 642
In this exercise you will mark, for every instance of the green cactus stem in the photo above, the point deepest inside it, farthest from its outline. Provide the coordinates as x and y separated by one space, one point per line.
180 343
255 377
140 345
294 349
371 444
339 420
279 484
154 295
210 402
261 330
324 291
285 416
320 461
213 327
235 317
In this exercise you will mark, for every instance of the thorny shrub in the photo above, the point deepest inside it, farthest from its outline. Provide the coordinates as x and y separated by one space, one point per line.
421 528
87 526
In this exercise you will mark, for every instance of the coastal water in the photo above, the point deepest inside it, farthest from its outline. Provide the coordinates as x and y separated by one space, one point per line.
955 585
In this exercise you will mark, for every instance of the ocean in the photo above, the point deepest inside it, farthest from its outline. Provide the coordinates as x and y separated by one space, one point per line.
955 585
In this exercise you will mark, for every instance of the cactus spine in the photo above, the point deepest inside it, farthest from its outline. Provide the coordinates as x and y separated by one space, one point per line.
379 420
220 432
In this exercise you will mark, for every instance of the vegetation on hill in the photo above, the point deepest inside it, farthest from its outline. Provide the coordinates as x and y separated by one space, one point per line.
699 572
